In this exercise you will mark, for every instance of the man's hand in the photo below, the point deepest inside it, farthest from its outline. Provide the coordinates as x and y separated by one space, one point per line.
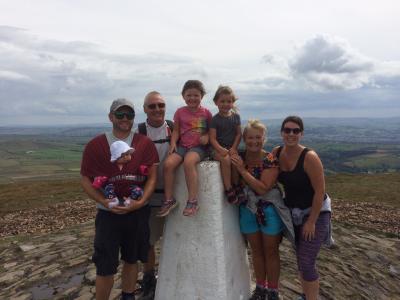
223 152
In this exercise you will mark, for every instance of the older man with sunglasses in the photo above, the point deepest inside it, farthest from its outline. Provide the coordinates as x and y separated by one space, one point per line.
159 131
121 229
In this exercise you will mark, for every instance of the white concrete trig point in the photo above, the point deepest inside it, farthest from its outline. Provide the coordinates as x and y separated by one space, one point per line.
203 257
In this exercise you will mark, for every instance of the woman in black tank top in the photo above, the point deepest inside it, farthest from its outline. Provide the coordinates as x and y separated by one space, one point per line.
302 176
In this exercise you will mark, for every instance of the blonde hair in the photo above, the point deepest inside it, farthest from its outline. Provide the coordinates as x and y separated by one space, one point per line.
225 90
255 124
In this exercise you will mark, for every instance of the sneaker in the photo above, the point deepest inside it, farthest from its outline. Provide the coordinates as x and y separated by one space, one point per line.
273 295
259 294
166 207
127 296
192 206
149 283
231 196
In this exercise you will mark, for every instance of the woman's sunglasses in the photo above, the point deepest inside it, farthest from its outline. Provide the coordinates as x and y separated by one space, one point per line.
288 130
121 114
154 105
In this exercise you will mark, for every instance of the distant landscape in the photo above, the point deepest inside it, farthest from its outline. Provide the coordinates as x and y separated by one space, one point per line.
357 145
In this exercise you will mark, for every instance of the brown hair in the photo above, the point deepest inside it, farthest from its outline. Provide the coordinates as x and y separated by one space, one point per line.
295 119
194 84
224 90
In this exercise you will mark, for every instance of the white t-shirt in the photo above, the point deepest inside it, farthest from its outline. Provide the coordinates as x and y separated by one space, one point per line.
159 134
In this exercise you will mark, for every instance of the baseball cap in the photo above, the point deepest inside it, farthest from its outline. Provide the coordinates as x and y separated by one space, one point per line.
118 148
119 103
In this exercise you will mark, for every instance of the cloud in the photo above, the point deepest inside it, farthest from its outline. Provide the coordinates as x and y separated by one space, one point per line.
39 76
329 63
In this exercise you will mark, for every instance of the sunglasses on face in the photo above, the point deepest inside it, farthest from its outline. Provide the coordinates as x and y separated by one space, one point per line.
288 130
121 114
154 105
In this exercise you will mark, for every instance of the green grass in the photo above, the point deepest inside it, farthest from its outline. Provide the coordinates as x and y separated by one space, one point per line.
377 188
24 195
28 194
37 156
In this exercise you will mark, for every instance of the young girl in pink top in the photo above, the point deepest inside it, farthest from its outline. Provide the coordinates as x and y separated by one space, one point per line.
188 145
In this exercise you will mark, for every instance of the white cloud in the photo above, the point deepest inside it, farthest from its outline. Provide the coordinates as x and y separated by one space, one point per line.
329 63
70 77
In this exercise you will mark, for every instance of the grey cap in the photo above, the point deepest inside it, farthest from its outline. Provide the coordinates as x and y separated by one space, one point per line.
121 102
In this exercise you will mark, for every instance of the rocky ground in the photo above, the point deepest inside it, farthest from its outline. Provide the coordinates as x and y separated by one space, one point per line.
45 255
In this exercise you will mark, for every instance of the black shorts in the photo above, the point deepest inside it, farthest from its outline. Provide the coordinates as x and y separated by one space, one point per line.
129 232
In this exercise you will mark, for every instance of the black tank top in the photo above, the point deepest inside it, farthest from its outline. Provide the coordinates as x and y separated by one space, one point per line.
297 185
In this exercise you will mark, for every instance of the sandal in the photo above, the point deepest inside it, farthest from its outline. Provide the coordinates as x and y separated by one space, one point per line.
231 196
191 208
166 207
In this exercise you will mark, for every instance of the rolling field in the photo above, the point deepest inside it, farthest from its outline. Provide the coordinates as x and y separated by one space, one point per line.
38 170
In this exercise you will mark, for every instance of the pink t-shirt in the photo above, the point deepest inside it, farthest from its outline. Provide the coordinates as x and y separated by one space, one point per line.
192 125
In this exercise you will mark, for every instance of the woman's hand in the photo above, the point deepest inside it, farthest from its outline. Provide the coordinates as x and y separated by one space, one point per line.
308 230
232 151
223 152
237 161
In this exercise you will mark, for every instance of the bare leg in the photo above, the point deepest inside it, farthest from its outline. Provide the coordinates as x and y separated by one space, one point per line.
235 175
272 259
310 288
257 255
129 277
104 285
190 166
170 165
225 162
151 260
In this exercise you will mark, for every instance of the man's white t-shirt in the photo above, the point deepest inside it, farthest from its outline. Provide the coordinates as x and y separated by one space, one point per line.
161 133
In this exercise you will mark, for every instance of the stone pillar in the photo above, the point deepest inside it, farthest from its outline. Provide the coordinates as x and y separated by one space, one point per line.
203 257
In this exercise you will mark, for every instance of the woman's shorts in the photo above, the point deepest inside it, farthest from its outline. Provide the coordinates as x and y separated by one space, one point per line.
202 151
248 221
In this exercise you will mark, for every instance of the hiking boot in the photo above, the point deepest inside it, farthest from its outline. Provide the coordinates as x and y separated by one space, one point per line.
259 294
148 286
273 295
127 296
166 207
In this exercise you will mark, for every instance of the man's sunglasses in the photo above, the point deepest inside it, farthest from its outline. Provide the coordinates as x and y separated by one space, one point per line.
121 114
295 131
154 105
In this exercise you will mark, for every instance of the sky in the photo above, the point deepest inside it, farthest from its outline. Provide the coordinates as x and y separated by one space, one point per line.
63 62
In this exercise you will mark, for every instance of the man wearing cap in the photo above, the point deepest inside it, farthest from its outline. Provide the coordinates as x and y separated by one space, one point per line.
159 131
120 229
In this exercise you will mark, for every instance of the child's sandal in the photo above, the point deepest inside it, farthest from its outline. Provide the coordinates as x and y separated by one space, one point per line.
231 196
192 206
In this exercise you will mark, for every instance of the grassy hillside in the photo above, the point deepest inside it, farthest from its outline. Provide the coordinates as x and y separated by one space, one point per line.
26 194
376 188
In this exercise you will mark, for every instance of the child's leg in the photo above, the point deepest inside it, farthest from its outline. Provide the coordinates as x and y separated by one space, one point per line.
190 163
225 162
235 175
170 165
